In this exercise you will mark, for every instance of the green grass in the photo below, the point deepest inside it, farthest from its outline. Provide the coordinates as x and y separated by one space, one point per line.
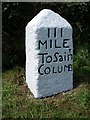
18 102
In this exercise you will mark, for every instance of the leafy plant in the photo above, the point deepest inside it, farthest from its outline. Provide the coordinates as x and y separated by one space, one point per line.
81 61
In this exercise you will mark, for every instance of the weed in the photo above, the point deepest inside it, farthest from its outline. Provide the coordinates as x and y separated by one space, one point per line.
82 62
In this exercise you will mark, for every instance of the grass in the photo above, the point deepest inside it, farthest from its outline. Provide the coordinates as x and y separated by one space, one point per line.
18 101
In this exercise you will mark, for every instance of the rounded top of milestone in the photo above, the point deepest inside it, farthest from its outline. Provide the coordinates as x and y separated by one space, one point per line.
48 18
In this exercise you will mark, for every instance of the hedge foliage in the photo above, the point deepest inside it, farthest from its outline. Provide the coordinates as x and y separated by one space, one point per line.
15 17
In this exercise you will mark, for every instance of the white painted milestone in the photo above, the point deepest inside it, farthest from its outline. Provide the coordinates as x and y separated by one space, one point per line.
49 54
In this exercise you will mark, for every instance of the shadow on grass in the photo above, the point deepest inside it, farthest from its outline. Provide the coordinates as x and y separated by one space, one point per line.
77 80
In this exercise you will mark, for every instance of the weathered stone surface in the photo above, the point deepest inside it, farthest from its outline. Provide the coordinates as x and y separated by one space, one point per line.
49 52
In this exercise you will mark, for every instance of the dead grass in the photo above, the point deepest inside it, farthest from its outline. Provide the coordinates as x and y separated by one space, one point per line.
18 101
